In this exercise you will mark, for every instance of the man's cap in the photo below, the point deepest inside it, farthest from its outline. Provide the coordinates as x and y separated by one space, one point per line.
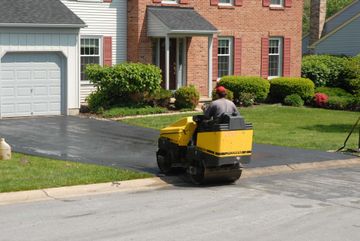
220 90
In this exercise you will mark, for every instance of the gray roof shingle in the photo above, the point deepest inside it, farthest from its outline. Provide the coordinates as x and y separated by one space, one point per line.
37 12
176 18
348 13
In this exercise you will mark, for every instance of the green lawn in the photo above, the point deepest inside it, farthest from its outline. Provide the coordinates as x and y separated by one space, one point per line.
310 128
25 172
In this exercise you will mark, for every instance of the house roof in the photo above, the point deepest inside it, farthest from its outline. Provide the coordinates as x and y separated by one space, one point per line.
341 17
338 21
37 13
182 20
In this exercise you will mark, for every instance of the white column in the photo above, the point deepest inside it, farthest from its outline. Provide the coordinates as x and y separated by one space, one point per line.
167 62
210 64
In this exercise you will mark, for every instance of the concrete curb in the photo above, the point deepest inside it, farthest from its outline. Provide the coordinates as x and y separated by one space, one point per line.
63 193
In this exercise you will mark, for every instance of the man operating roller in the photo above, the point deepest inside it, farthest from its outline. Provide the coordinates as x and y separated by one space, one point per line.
220 106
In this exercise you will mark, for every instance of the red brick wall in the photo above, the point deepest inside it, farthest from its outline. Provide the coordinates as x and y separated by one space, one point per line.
250 22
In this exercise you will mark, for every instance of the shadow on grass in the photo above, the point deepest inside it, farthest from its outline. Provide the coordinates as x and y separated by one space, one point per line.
332 128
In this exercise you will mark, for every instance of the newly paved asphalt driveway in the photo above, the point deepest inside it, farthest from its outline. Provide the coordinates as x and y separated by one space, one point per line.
116 144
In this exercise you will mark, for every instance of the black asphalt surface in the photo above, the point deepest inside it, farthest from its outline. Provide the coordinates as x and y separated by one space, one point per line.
116 144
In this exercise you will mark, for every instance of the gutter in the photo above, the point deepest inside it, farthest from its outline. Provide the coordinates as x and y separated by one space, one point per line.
42 25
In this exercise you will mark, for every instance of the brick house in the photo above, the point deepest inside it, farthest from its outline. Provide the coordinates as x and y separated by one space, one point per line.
45 45
198 41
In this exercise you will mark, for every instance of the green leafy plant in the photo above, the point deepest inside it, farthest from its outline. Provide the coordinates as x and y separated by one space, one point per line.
329 91
340 102
284 86
159 98
293 100
257 86
246 99
127 81
353 86
324 70
97 102
186 97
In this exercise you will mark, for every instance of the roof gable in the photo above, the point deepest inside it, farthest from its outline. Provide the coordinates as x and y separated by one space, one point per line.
342 17
37 13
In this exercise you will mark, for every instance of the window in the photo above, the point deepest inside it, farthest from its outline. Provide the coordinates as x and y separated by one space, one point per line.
226 2
277 3
169 1
90 54
275 57
225 57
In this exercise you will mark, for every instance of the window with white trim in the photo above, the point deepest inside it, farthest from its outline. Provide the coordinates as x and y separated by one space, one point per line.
170 1
277 3
275 57
89 54
226 2
225 48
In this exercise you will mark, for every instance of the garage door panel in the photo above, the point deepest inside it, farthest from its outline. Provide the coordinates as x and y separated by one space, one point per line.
23 75
23 91
7 91
39 75
7 75
30 84
40 91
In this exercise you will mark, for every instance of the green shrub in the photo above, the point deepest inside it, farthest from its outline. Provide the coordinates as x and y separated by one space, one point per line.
229 95
246 99
284 86
332 91
124 81
97 102
340 103
186 97
293 100
159 98
257 86
324 70
353 86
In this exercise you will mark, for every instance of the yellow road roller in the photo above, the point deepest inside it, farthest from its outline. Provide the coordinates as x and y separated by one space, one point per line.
208 150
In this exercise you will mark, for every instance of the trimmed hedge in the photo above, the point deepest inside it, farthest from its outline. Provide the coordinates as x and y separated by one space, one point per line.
256 86
333 91
124 82
284 86
293 100
186 97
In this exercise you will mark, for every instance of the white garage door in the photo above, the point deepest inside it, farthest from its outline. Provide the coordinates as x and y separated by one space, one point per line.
31 84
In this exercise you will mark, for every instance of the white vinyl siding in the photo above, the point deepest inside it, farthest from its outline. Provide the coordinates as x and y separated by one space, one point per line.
225 57
275 57
103 19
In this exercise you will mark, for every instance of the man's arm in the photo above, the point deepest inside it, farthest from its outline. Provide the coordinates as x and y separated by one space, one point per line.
209 112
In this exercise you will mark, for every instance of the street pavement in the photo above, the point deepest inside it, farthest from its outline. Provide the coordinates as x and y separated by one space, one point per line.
317 205
117 144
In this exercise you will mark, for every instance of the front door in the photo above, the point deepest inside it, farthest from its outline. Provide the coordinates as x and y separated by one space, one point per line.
176 62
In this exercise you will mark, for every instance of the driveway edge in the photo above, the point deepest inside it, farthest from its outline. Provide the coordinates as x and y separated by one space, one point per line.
64 193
